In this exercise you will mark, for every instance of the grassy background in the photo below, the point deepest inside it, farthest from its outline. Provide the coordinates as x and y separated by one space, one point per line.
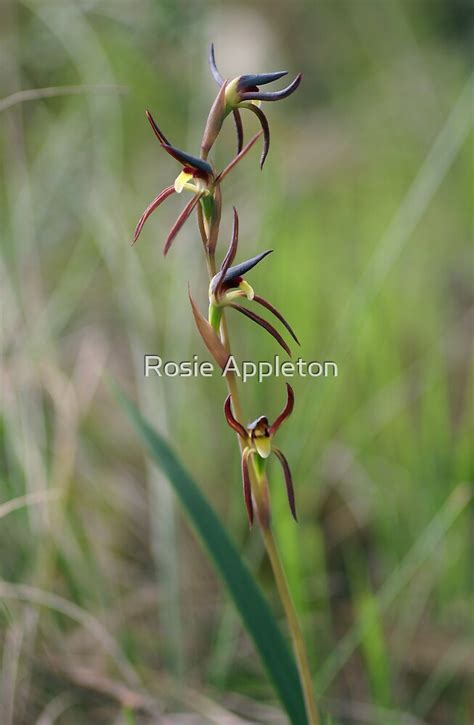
365 199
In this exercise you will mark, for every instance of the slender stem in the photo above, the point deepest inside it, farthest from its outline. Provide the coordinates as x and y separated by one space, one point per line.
267 534
293 625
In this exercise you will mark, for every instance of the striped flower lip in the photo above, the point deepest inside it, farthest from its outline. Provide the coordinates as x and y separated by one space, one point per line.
229 284
197 176
257 438
244 92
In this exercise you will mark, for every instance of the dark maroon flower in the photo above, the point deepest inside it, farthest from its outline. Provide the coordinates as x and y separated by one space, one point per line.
257 441
197 176
244 92
229 285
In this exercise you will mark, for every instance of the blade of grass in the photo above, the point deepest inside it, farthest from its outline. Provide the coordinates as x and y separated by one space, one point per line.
246 594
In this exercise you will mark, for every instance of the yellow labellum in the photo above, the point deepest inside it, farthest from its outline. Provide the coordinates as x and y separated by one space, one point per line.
263 444
181 181
247 289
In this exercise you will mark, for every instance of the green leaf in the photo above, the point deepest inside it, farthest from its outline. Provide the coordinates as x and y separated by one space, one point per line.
244 590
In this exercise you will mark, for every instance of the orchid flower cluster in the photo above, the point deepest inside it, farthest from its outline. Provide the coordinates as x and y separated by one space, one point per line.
228 286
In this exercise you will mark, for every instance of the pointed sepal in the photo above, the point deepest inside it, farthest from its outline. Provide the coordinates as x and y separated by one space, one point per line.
150 209
286 412
246 484
272 95
288 481
265 303
263 323
185 214
232 421
212 65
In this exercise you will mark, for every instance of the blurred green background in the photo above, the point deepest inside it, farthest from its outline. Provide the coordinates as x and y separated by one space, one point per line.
366 200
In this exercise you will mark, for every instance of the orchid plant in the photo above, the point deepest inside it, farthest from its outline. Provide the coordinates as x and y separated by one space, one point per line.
228 287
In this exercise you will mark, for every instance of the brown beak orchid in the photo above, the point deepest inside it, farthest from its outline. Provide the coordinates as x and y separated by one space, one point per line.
227 288
244 92
257 444
229 285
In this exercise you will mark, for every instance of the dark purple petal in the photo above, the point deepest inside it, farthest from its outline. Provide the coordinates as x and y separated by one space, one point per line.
188 160
212 65
265 128
151 208
218 279
239 128
240 156
287 410
232 421
246 484
239 270
288 481
260 79
157 131
275 95
180 221
263 323
273 310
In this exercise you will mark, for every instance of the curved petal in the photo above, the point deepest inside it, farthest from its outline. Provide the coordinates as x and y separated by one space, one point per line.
260 79
263 323
265 303
156 129
239 128
217 280
239 156
239 270
287 410
180 221
188 160
231 420
151 208
288 481
212 65
275 95
265 128
246 484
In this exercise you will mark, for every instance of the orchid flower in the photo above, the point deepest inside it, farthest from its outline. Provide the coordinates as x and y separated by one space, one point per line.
257 442
244 92
197 176
229 285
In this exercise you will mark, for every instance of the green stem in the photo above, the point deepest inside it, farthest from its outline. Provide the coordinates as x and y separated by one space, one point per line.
293 625
270 545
